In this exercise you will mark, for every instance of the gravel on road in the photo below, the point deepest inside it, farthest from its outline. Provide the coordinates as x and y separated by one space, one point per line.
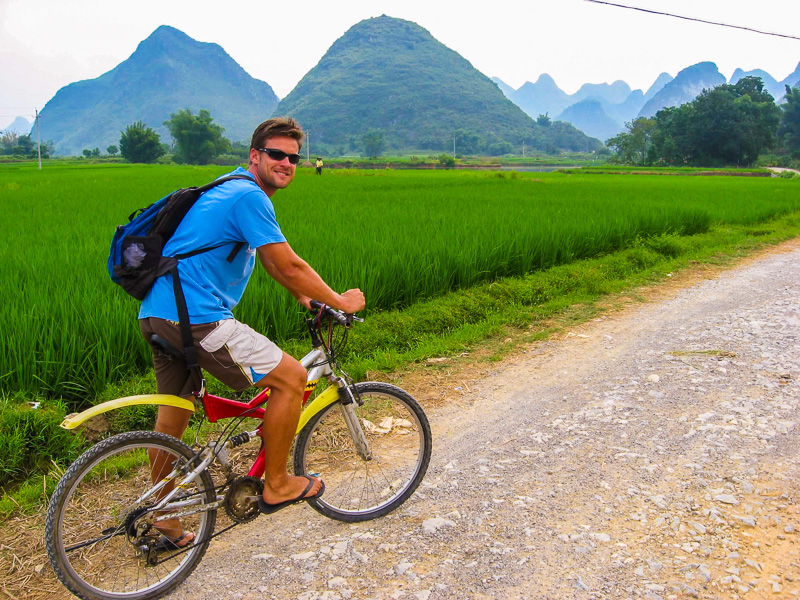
652 453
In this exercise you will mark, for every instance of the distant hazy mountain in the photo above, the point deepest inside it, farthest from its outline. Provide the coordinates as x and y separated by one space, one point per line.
793 80
504 87
21 125
626 111
391 74
684 88
658 85
613 93
590 117
167 72
612 104
542 97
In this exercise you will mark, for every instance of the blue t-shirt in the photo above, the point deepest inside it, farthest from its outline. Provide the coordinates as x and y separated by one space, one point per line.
236 211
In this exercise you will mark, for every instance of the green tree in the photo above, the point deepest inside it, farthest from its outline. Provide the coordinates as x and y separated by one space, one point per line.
789 130
25 146
500 148
197 138
374 142
467 142
634 146
112 149
543 120
727 125
87 153
140 144
8 142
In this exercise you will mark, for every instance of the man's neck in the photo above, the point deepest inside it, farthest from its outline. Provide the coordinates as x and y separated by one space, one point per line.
251 168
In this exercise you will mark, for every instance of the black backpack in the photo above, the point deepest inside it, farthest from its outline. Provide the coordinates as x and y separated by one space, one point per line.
135 260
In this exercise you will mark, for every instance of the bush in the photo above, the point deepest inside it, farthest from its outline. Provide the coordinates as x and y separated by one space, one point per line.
446 160
225 160
30 439
778 160
500 148
666 245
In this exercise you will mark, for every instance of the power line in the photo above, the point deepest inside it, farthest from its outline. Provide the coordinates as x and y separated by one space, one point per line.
656 12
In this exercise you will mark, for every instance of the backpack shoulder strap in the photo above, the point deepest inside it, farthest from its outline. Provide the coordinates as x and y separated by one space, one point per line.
221 180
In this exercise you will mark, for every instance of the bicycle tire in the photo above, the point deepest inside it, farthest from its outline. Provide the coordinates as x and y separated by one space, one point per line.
359 490
90 515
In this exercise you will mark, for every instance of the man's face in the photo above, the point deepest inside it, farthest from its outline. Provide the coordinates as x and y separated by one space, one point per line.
273 175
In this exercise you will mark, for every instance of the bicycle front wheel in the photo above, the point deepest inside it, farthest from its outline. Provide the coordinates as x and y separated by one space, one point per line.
399 438
101 531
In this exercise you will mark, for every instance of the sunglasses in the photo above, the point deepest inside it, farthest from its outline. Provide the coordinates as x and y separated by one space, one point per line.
279 155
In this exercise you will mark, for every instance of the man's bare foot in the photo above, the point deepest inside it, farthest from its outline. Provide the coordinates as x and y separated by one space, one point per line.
290 488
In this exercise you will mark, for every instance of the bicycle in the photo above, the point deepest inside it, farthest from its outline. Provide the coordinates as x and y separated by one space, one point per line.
370 442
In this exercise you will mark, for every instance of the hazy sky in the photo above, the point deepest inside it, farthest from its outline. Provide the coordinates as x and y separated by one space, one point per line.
47 44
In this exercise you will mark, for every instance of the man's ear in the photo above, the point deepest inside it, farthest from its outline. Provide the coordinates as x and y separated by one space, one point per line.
254 157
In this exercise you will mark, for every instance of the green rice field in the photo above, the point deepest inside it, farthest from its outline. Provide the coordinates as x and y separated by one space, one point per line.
401 236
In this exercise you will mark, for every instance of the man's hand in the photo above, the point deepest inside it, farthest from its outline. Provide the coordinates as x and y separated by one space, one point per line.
351 301
304 301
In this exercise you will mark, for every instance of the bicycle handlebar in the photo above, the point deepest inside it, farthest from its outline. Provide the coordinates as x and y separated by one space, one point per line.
340 317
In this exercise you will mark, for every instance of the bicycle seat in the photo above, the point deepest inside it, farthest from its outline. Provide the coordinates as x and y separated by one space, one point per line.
156 340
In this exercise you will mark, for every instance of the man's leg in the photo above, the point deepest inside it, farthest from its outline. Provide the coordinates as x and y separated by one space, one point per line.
172 377
287 383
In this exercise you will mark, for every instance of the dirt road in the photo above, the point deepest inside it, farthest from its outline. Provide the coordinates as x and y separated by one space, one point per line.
649 454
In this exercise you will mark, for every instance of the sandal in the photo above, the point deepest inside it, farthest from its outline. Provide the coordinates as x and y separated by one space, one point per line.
168 544
268 509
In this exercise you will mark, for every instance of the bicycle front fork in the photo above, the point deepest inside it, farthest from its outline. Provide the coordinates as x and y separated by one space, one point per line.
354 425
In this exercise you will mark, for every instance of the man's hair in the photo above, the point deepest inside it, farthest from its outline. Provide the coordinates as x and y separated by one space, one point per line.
277 127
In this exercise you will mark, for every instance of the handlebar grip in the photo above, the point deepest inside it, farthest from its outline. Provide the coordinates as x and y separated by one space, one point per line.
339 317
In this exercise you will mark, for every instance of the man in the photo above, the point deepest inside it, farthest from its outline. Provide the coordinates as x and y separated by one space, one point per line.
213 282
318 164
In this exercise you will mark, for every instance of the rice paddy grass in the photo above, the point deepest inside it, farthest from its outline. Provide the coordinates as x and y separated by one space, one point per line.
401 236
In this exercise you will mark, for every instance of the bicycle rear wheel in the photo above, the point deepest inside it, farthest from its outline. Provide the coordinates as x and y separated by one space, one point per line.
100 533
399 438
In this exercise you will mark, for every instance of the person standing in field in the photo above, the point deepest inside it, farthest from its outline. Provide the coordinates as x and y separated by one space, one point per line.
319 165
240 212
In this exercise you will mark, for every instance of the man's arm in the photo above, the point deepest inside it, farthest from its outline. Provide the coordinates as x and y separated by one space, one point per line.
293 273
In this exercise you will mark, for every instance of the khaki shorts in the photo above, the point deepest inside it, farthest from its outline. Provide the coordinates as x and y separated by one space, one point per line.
231 351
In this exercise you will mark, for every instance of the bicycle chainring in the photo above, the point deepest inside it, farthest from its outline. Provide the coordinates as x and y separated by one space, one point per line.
132 520
238 505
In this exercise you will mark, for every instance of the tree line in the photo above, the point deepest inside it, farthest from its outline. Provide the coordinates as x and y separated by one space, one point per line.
729 125
198 140
14 144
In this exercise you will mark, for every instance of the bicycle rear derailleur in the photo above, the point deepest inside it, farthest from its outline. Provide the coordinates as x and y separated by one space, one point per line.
238 499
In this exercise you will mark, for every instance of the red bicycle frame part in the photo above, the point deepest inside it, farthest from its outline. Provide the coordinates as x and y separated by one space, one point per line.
217 408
